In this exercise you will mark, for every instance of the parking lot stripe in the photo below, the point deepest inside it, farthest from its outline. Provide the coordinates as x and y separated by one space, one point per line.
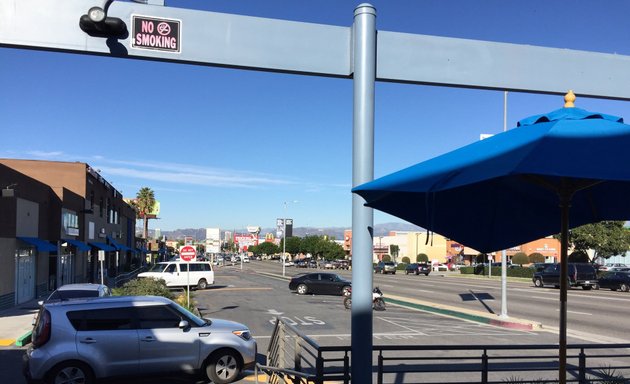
6 342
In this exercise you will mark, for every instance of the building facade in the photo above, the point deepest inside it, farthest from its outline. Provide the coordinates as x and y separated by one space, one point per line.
57 221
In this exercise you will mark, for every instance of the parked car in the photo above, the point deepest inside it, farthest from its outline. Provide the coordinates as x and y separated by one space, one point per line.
312 263
176 274
418 268
539 266
245 259
615 281
328 264
384 267
319 283
81 341
301 264
76 291
612 267
579 275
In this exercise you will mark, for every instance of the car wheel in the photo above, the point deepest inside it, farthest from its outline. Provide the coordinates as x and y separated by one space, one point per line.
596 286
345 290
223 367
393 273
587 287
426 274
406 272
302 289
202 284
623 287
71 372
538 283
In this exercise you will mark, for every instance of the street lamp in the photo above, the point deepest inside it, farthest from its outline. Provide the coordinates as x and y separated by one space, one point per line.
284 237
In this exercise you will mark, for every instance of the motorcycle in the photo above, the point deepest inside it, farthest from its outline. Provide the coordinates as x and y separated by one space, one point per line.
378 302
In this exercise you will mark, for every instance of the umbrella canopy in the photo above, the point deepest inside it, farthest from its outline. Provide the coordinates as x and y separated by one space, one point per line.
503 191
554 171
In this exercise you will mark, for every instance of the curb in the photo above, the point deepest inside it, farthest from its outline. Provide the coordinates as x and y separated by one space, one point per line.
24 339
478 317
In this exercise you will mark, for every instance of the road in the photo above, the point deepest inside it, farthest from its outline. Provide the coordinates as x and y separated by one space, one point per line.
257 294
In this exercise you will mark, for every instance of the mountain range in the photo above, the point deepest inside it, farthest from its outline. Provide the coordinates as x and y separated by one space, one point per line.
331 232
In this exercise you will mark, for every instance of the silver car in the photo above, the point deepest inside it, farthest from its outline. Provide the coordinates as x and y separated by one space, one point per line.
80 341
74 291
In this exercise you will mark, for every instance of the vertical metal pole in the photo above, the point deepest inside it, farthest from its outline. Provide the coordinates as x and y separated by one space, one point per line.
364 73
504 312
565 201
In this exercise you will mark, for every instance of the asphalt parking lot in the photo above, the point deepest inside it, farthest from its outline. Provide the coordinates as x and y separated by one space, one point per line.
257 299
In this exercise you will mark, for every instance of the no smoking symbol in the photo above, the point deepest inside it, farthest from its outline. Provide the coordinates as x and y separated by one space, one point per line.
163 28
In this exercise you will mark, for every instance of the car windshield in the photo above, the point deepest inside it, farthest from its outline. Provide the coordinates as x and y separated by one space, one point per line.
198 321
157 268
72 294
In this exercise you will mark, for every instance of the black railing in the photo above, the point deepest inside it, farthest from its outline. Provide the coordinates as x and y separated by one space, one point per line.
293 357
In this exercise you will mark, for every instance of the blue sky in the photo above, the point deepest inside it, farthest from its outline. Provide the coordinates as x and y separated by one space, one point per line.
223 147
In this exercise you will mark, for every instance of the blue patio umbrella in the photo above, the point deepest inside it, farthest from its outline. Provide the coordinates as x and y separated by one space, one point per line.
554 171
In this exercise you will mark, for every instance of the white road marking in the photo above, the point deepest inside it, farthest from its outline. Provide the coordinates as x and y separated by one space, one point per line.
577 313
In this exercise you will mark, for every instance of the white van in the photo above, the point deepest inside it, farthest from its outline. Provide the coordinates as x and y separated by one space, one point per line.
175 273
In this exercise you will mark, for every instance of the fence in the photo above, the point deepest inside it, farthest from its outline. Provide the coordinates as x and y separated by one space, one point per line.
293 357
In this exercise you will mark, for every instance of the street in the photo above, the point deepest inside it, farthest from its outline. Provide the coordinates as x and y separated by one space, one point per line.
257 294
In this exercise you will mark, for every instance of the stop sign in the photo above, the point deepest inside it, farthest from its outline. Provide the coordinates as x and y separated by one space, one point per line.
187 253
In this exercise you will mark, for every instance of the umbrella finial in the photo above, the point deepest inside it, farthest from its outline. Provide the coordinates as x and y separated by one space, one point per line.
569 98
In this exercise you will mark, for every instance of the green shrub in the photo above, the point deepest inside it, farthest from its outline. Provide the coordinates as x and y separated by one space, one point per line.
422 258
520 258
536 258
467 270
142 287
406 260
401 266
386 258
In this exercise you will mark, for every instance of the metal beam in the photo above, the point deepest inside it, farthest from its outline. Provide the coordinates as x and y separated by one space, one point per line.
218 39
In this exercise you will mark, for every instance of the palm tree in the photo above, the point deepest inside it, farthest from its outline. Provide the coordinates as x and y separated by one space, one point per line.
145 200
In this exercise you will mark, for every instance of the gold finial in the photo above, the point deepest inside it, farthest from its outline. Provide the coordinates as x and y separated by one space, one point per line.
569 98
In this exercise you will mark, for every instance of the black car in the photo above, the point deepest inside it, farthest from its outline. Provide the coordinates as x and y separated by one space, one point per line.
418 268
579 275
319 283
615 281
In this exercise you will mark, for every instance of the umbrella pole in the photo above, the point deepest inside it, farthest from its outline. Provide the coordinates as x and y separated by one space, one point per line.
565 205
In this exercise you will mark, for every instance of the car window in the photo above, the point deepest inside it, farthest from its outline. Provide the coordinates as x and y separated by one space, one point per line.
72 294
157 316
108 319
157 268
172 268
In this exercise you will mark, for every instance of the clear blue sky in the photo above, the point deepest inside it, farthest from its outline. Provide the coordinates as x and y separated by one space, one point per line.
224 147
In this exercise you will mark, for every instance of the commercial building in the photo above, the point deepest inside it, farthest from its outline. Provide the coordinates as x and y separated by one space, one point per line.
55 217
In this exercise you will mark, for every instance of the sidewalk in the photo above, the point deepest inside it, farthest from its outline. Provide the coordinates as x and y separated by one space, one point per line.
16 324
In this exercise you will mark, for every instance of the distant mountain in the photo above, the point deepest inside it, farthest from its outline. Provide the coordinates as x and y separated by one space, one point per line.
333 232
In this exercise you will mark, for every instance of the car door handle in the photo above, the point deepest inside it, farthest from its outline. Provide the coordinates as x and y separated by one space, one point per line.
88 340
148 338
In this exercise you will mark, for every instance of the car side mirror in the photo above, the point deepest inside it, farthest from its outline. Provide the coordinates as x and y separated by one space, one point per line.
40 302
183 324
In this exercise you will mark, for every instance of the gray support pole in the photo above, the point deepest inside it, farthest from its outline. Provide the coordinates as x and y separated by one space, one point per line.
364 56
504 312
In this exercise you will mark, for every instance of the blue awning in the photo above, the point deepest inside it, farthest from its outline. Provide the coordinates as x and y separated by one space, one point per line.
103 246
79 244
41 245
118 246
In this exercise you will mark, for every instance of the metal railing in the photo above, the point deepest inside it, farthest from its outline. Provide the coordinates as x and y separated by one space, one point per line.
121 279
293 357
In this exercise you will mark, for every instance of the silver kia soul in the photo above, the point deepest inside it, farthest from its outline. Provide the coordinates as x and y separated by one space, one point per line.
80 341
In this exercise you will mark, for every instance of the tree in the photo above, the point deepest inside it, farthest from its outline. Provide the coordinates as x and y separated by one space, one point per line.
536 257
606 238
386 258
520 258
393 250
578 257
422 258
267 248
145 201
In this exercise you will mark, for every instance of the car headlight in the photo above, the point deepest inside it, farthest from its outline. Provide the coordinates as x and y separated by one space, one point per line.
244 334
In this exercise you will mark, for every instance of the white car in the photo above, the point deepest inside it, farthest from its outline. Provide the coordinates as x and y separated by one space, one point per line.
245 259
